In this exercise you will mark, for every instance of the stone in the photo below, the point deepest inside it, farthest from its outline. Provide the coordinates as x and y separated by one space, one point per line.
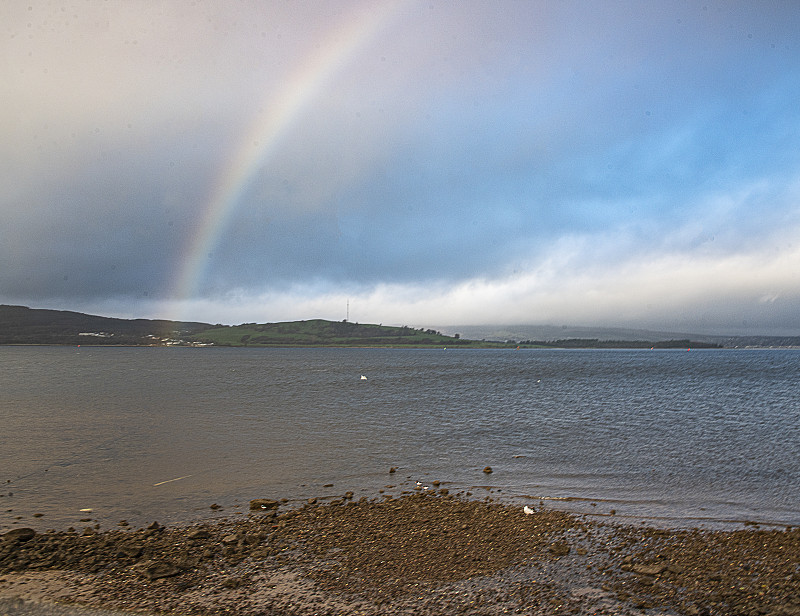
200 533
155 570
559 548
263 503
675 568
230 539
19 535
648 569
132 550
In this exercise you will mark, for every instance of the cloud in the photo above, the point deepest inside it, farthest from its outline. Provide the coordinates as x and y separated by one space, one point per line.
524 163
746 292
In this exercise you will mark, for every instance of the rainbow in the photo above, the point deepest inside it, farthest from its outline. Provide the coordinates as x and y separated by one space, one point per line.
282 109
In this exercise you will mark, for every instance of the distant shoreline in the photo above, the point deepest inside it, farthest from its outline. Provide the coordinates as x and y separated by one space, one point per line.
20 325
477 345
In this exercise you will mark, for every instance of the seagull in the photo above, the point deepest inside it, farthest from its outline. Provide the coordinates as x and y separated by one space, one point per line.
527 510
363 378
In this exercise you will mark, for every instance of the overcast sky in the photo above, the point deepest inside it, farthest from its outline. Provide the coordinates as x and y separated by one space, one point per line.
433 163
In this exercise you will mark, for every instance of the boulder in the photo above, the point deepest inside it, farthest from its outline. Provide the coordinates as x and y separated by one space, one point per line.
263 503
19 535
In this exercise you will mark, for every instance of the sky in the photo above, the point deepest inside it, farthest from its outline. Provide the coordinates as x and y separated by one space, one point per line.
623 164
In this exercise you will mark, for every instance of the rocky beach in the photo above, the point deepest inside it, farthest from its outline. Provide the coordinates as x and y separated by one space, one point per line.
421 552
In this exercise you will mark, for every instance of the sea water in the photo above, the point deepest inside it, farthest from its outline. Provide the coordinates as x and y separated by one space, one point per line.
675 437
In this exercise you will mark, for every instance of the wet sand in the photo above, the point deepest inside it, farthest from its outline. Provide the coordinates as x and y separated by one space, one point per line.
423 553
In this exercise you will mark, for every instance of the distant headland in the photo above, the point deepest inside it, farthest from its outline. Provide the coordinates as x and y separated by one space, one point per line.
22 325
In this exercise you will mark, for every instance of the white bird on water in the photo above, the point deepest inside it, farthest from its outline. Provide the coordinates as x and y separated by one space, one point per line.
363 378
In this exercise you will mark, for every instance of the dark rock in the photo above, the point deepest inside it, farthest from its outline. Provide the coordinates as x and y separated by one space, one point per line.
263 503
675 568
648 569
559 548
132 550
200 533
155 570
230 539
19 535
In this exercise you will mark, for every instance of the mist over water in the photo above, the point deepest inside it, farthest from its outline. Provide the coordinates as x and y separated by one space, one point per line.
147 434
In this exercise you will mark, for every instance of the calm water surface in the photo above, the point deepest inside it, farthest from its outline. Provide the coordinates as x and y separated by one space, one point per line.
142 434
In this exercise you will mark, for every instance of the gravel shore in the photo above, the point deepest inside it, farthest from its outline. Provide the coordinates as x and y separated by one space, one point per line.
425 553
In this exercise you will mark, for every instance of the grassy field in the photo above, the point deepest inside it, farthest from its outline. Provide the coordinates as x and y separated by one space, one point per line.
319 332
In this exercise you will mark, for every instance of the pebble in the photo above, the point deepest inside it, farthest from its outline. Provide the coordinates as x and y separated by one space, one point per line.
424 553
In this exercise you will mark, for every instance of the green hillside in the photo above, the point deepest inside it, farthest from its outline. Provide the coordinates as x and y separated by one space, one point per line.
318 332
23 325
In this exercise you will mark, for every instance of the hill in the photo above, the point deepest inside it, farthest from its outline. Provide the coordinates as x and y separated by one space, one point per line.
318 332
23 325
622 337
